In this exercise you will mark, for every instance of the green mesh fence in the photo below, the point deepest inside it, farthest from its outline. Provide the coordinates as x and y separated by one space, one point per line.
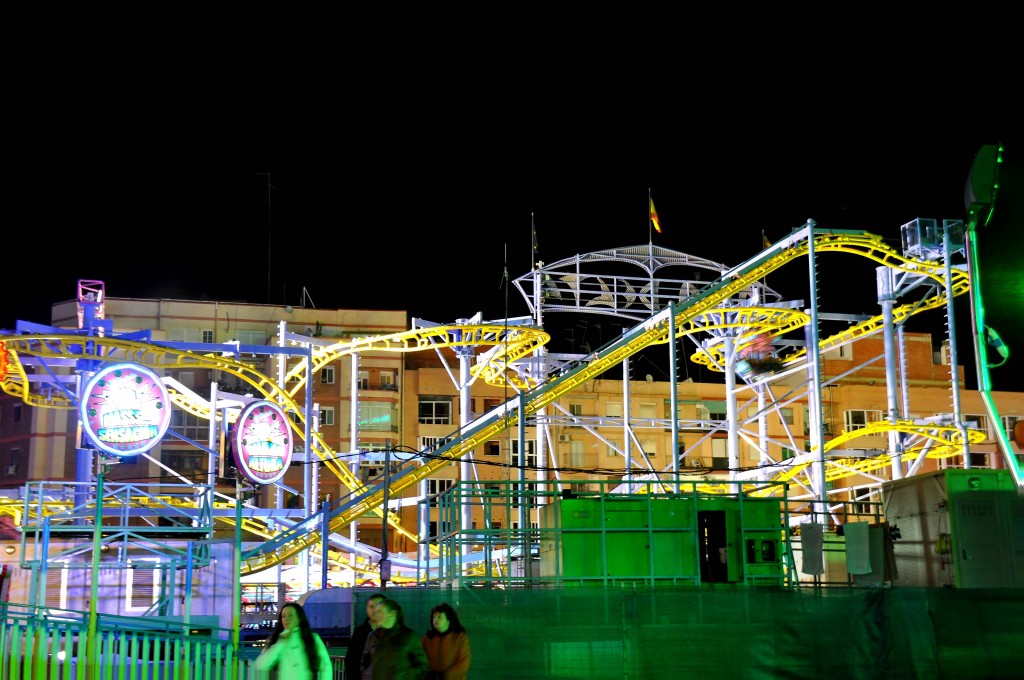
732 632
629 632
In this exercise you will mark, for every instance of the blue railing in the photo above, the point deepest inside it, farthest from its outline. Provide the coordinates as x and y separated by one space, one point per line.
48 643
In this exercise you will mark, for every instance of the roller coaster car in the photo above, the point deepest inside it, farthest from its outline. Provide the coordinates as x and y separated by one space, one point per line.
752 367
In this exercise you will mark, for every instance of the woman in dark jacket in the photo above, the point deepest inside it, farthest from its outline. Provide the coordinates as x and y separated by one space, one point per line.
393 651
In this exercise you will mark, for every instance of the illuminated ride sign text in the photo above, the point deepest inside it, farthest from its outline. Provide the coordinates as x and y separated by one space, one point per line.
125 409
262 442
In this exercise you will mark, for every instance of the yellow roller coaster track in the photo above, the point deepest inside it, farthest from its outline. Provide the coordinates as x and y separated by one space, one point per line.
695 317
871 248
510 344
941 441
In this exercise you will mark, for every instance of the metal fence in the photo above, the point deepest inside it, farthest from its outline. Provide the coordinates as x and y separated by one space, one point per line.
44 643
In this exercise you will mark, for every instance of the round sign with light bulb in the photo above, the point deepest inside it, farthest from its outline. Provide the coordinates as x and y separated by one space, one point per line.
125 409
262 442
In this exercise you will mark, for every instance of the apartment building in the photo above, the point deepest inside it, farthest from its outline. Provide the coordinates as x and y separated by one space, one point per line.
408 399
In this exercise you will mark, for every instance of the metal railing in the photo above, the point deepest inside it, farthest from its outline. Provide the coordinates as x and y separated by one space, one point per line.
44 642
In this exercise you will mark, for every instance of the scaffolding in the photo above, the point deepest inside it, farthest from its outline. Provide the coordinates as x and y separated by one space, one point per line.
659 532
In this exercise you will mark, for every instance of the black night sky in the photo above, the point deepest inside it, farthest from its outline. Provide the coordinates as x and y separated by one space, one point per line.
438 227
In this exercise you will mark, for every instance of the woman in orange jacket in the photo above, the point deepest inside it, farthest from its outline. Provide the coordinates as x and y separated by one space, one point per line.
446 645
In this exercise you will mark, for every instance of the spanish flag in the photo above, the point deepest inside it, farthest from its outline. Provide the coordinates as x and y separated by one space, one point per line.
654 217
765 243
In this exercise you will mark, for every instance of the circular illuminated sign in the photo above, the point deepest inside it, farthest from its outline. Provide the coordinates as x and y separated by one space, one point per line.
263 442
125 409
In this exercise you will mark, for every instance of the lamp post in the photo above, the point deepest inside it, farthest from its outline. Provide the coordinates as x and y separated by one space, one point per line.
980 197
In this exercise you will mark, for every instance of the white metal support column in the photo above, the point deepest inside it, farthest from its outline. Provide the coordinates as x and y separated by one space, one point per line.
465 355
212 462
958 413
309 505
282 371
733 441
353 419
886 298
814 369
674 397
627 449
540 371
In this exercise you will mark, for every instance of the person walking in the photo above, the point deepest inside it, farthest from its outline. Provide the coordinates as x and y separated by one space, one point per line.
447 645
294 649
354 653
393 651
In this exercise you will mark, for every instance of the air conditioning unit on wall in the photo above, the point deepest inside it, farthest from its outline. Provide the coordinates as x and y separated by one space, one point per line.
11 470
563 437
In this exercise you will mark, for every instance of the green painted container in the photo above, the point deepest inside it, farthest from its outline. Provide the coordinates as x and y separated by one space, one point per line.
678 539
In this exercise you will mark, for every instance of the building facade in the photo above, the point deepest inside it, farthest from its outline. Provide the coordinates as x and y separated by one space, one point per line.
406 399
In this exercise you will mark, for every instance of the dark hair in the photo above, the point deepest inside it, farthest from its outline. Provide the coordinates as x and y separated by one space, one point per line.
454 625
304 630
393 606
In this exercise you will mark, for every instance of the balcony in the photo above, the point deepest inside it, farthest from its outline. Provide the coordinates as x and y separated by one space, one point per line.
382 386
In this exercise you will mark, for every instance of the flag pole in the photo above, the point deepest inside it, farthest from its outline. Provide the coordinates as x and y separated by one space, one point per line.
533 250
650 220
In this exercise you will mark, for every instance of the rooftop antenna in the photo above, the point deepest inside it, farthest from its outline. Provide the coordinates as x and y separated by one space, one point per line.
305 296
269 251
